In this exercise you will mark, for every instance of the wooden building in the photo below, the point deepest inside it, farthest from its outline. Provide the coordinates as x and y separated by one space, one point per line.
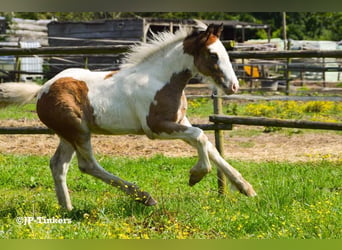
114 31
124 31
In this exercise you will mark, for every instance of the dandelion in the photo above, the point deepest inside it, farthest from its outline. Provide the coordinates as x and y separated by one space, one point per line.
260 236
246 216
145 236
123 236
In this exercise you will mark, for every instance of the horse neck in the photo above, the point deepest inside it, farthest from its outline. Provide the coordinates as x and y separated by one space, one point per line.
170 61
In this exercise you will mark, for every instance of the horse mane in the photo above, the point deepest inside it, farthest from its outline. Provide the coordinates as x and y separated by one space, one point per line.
142 51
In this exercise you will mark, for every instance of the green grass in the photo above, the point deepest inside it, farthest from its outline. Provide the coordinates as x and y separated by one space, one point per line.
18 112
295 200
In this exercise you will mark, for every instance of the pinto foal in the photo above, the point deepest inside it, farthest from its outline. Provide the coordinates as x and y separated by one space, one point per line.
145 97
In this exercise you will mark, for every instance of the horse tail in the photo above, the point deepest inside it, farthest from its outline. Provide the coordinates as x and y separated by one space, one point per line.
17 93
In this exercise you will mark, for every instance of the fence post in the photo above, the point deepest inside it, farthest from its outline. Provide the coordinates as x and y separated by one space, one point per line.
17 68
287 72
323 75
221 178
86 62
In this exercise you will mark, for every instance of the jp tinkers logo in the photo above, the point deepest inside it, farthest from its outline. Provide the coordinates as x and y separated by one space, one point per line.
42 220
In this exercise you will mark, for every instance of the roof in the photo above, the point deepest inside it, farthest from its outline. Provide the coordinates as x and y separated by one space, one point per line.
230 23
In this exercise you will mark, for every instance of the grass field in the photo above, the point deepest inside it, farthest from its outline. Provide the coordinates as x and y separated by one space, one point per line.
325 111
295 201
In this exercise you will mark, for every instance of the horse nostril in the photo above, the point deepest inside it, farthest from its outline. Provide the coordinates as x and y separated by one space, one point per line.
235 87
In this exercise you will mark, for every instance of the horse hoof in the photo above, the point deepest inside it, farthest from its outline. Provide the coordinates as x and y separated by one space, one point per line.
195 179
250 192
150 202
246 189
146 199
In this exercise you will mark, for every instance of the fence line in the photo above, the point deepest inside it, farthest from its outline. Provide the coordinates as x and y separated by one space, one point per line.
67 50
271 98
263 121
119 48
286 54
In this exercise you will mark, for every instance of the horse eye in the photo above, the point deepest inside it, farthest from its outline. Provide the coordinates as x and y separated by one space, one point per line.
214 56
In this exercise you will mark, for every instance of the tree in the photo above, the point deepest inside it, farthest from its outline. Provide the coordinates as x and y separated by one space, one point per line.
300 25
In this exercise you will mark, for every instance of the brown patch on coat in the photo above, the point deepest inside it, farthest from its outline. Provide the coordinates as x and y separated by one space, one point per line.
110 75
197 41
169 106
66 109
197 44
211 39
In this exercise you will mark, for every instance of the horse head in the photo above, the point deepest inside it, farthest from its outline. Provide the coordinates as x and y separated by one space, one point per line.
211 58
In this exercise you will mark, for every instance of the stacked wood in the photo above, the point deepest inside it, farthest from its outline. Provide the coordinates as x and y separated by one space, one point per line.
28 30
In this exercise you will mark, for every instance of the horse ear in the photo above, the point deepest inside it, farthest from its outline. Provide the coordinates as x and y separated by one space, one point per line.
206 35
210 30
218 30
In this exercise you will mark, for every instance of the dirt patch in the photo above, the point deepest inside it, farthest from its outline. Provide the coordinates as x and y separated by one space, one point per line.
305 146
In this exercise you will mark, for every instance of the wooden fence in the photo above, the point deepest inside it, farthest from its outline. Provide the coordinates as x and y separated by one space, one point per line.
122 47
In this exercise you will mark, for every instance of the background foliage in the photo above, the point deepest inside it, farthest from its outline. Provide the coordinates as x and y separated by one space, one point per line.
300 25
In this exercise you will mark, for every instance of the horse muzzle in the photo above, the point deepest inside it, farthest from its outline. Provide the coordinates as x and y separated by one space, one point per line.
230 88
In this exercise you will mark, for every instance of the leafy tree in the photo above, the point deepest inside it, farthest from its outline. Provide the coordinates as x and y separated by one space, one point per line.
300 25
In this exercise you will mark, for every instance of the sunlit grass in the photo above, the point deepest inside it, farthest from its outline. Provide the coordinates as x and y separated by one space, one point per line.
27 111
326 111
295 201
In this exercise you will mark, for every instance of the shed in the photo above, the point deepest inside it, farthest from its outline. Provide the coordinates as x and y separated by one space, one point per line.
124 31
115 31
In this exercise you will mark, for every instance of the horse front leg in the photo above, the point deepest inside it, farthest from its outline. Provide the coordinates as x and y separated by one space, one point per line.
203 166
235 178
193 136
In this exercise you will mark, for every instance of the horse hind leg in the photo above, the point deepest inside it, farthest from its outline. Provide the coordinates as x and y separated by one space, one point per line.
59 165
88 164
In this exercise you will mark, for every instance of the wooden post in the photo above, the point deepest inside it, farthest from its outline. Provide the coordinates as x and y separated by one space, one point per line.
86 62
323 71
286 76
284 30
17 68
221 178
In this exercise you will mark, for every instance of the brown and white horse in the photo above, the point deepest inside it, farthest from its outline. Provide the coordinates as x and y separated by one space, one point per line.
145 97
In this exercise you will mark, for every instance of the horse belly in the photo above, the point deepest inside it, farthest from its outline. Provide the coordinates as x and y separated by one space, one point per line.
116 119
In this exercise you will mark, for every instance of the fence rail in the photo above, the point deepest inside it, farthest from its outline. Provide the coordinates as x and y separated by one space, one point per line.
46 131
263 121
25 130
67 50
119 48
